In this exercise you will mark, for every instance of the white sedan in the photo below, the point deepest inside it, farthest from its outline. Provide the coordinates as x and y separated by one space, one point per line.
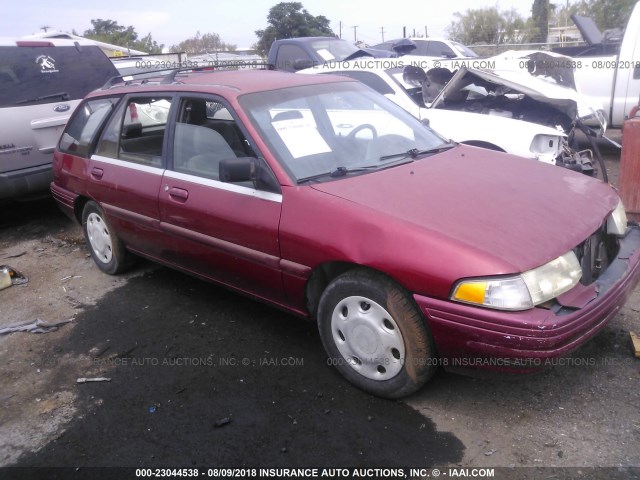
481 108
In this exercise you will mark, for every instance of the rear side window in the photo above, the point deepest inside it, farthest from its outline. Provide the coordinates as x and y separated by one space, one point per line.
85 124
34 75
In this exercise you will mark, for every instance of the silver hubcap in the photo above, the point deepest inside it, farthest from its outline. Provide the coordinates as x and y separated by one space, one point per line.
368 338
99 238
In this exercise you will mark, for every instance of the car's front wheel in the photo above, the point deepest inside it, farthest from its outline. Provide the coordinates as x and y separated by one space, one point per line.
106 248
374 334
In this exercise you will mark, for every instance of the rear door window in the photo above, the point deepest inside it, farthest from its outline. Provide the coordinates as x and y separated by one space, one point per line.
136 133
33 75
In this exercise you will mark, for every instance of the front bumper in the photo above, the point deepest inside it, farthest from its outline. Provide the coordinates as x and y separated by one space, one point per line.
468 336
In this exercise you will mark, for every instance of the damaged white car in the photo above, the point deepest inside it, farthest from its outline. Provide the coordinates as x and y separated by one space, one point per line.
522 114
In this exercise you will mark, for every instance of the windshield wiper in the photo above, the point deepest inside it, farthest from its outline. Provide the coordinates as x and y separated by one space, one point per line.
338 172
64 96
415 153
343 171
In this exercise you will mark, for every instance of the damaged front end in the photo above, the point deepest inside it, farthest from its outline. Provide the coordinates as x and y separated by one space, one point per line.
579 161
518 96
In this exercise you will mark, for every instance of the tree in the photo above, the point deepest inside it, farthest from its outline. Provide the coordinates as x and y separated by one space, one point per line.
540 20
109 31
291 20
561 15
606 13
488 26
610 13
207 43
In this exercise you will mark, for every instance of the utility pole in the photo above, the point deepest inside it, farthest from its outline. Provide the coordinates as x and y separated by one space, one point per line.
355 36
382 33
340 28
45 28
425 32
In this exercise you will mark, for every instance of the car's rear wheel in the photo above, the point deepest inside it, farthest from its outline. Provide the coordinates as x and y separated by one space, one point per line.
106 248
374 334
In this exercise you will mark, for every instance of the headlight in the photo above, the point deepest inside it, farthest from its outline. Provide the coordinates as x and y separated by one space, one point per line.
524 291
617 221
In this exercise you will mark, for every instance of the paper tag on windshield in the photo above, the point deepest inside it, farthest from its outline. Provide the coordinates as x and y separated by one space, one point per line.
301 137
326 55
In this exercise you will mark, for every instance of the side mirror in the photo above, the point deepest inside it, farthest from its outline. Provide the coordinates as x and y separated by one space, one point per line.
248 169
414 75
242 169
302 63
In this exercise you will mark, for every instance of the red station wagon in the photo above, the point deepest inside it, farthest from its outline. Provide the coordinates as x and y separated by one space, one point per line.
320 196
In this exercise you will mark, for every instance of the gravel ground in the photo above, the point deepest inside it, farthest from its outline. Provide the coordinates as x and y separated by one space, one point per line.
203 377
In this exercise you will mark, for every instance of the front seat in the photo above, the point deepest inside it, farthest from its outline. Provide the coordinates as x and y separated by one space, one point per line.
198 150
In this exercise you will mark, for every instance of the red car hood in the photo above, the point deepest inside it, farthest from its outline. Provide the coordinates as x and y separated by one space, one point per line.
516 211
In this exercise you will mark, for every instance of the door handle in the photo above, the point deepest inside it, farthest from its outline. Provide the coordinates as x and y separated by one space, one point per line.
178 193
97 172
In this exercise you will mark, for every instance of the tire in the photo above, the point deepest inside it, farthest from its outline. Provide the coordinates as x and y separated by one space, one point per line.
374 334
106 248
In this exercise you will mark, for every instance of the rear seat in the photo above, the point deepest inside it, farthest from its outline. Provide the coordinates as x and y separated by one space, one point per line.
135 147
151 145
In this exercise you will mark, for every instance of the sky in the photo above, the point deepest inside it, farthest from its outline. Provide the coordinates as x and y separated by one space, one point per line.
171 22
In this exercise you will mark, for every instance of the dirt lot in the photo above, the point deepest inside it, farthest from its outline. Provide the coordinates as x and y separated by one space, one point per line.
200 376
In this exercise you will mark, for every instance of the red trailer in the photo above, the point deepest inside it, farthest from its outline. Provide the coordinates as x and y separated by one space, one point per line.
630 165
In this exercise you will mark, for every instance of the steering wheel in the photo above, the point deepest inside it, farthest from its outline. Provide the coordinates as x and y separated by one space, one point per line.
364 126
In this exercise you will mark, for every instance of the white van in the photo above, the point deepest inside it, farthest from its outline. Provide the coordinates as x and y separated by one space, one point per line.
41 83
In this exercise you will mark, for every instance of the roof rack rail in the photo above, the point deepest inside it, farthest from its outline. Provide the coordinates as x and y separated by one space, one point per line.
169 74
121 78
217 66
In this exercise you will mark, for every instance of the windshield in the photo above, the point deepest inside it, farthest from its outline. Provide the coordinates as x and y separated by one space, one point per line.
333 49
346 127
466 51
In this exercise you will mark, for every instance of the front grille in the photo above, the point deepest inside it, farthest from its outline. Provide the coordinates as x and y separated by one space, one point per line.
595 254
